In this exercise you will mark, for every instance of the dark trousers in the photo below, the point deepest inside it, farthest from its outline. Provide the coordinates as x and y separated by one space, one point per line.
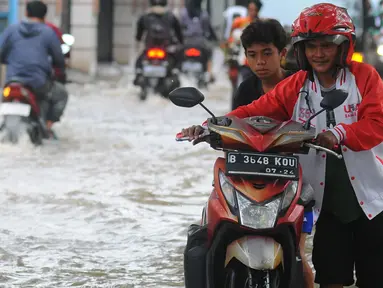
52 98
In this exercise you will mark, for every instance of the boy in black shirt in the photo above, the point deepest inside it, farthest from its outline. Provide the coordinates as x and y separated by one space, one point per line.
265 43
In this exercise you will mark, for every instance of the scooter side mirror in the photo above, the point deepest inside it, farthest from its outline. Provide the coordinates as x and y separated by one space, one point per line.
186 97
65 48
68 39
330 101
333 99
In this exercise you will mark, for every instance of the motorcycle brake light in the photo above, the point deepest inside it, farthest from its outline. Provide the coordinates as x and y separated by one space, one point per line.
12 91
156 53
233 73
6 91
193 52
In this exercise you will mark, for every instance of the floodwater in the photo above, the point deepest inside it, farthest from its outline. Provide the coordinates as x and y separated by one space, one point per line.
109 204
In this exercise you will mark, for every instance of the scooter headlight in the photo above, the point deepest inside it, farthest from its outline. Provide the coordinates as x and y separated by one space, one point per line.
289 195
227 190
258 215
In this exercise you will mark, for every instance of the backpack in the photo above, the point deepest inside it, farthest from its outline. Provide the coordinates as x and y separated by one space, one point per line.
197 27
158 29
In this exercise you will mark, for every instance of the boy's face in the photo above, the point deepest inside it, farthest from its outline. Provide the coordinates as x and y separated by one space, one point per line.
264 59
321 55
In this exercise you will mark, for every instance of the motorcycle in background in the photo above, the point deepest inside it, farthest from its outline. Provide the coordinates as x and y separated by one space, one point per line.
158 71
379 51
195 65
68 40
238 69
251 226
21 111
66 47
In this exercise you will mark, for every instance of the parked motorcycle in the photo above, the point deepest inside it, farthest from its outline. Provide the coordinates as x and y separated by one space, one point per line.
194 65
159 73
21 111
251 226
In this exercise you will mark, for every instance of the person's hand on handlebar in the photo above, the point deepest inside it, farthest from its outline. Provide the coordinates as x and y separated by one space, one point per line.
193 132
327 139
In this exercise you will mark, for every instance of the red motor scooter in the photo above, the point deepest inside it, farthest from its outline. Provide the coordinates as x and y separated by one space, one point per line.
251 226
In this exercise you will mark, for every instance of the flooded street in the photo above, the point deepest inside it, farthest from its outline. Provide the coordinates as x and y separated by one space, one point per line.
109 204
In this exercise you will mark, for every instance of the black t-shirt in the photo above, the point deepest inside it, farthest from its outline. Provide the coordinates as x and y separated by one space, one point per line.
250 90
339 195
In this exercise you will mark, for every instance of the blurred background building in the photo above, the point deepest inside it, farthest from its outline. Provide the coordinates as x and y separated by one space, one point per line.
104 29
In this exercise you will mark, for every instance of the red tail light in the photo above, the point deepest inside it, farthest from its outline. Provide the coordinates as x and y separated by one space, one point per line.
233 74
16 92
193 52
13 92
156 53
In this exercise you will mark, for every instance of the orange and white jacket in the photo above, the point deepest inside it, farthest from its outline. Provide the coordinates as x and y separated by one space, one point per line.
359 128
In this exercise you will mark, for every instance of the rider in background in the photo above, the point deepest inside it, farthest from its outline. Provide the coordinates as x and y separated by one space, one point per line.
230 14
265 43
253 9
161 27
197 30
29 49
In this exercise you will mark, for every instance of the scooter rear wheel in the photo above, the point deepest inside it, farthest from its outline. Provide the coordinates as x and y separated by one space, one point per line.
143 93
12 128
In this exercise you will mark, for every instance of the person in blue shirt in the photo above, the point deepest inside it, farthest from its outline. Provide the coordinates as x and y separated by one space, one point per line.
30 49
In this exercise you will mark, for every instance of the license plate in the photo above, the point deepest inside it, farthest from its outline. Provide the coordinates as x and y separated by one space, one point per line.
192 66
154 71
268 165
14 108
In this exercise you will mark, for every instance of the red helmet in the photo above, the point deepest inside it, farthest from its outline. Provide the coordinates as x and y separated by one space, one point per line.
324 20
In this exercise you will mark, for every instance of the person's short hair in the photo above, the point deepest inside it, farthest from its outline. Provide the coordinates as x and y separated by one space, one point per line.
266 31
37 9
257 3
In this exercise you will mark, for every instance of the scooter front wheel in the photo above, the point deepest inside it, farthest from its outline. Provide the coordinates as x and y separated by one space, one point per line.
238 275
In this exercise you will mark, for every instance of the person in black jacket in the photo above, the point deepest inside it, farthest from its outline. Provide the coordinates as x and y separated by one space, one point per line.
160 27
264 41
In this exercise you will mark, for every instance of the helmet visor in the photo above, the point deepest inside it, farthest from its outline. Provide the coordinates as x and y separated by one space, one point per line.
336 39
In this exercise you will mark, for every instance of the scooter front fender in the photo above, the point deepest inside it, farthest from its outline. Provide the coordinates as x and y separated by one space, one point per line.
256 252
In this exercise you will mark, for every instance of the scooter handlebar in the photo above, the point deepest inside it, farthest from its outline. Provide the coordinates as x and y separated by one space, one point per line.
201 138
317 147
180 137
